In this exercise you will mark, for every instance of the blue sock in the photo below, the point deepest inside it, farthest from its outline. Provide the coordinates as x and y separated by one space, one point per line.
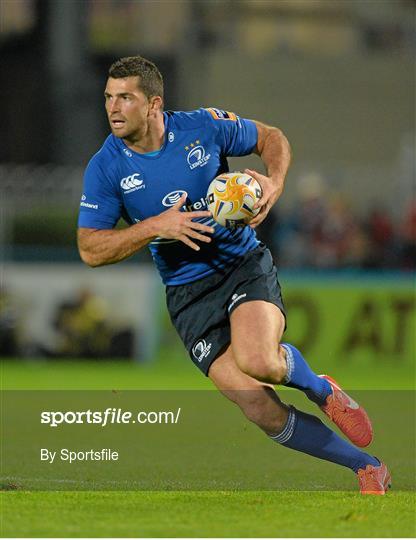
300 376
306 433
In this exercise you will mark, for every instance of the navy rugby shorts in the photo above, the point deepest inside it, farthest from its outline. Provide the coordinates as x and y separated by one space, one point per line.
200 311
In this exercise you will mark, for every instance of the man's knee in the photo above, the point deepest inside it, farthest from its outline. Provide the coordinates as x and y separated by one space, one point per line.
265 367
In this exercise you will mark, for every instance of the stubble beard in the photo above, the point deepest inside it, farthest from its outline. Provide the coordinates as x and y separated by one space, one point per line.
130 136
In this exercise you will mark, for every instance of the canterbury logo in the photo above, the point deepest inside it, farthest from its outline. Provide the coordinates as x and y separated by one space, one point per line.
130 182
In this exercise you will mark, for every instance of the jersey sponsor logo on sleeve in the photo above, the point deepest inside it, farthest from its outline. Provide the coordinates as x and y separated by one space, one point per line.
132 183
218 114
86 204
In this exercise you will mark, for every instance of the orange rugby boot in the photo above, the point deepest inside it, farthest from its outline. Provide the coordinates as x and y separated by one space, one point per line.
351 419
374 480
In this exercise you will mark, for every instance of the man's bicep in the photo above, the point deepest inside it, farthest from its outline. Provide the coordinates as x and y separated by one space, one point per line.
262 132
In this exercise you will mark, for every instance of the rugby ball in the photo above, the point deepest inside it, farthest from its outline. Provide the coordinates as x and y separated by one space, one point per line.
231 197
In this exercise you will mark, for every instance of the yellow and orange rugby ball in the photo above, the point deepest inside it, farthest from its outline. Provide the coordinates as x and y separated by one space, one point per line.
231 198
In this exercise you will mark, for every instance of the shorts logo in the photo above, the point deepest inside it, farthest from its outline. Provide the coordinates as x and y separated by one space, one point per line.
201 350
196 155
235 298
173 197
132 183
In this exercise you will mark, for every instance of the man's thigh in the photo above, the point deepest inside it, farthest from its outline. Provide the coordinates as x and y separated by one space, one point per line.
256 330
256 325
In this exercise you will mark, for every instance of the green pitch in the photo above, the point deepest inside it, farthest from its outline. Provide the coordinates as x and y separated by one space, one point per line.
212 513
206 514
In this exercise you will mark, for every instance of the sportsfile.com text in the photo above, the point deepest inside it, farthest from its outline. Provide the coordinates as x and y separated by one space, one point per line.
109 416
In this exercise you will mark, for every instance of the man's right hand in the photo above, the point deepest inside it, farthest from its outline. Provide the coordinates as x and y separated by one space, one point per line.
179 225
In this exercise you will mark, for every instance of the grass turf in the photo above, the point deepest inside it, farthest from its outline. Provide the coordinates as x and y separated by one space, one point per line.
187 513
175 371
206 514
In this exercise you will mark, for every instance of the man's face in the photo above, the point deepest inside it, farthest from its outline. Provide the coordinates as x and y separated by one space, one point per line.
127 108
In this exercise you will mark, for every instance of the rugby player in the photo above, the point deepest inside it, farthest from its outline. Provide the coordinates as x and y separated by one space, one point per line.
223 294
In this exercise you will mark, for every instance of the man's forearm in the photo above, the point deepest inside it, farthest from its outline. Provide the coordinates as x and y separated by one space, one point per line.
274 150
100 247
275 155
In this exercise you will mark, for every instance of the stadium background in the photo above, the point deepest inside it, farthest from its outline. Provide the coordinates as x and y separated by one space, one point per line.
337 77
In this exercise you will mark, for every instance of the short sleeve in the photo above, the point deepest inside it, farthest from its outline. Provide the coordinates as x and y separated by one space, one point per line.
100 206
236 136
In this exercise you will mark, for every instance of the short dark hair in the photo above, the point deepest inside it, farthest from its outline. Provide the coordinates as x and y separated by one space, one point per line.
151 80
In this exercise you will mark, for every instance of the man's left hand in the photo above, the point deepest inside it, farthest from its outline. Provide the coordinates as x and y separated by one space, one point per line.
271 191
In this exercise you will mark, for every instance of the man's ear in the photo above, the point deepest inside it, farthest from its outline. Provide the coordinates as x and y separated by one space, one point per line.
156 104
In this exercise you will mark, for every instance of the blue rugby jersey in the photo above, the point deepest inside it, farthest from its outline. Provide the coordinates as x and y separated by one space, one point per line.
119 182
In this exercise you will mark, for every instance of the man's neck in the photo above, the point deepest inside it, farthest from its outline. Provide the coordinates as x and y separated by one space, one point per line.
153 138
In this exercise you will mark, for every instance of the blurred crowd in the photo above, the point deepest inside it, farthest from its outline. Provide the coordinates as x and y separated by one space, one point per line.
324 231
82 328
